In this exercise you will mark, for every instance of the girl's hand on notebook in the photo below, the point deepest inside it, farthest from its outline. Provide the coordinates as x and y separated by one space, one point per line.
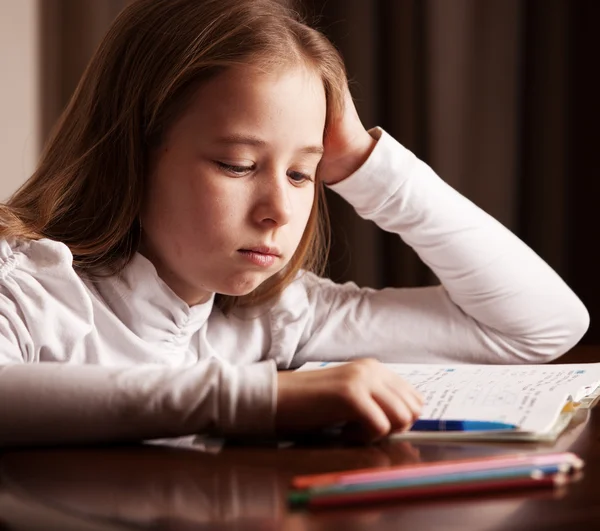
347 145
364 394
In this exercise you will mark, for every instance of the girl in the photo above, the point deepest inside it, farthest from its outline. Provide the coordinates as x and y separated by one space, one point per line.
159 254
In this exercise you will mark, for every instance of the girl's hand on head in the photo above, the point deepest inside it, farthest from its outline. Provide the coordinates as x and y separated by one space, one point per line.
347 145
365 395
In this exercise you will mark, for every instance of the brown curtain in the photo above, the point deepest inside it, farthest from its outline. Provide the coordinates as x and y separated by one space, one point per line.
496 95
444 78
70 32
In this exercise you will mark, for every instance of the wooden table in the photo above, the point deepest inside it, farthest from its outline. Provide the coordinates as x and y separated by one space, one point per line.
167 488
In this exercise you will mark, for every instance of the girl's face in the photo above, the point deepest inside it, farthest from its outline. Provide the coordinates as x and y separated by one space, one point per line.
232 186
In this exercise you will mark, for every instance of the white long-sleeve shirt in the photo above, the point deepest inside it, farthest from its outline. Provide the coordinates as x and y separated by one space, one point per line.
134 361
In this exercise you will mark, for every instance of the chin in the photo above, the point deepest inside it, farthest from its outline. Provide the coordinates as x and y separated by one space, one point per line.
239 287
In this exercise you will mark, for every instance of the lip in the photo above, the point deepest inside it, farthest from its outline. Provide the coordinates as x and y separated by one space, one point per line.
257 258
263 249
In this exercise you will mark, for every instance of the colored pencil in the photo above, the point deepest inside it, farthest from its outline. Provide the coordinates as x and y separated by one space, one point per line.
309 499
436 468
456 477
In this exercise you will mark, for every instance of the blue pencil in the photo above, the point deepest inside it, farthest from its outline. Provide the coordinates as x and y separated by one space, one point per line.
460 425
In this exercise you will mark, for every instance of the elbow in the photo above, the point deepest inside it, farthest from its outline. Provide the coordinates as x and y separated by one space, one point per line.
565 333
576 324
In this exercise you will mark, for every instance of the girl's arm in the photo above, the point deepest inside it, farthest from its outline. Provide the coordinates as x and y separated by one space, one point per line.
498 302
55 403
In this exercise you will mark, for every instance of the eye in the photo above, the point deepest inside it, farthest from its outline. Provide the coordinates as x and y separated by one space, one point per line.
235 170
298 177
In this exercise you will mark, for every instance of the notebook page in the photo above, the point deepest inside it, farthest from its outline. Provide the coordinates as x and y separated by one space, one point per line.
530 396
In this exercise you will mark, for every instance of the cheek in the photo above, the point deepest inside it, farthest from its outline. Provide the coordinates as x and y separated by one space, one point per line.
218 201
303 209
217 209
175 207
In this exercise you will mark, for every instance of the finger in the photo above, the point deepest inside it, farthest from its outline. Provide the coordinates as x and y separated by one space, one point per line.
411 400
418 395
414 392
404 391
398 382
370 416
396 407
401 384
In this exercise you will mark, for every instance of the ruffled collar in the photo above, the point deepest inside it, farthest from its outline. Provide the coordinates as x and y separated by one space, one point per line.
144 303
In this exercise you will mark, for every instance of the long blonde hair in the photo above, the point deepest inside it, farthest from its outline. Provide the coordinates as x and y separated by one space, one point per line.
88 188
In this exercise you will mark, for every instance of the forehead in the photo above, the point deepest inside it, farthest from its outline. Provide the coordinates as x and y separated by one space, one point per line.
285 105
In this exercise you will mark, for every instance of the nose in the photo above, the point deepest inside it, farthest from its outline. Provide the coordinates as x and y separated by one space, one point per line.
273 204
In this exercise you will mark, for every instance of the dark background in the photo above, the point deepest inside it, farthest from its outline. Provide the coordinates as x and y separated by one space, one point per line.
517 134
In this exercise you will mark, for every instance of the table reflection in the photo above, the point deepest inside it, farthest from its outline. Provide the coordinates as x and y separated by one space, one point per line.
168 488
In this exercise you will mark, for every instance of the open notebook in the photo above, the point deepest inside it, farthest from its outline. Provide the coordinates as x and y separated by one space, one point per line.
539 399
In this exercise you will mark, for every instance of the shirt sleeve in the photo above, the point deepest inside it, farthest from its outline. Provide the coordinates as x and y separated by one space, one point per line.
498 301
55 403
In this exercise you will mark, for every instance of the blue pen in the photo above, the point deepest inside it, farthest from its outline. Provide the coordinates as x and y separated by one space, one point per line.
460 425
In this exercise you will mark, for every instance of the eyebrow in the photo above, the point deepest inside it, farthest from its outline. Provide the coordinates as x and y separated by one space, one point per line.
256 141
